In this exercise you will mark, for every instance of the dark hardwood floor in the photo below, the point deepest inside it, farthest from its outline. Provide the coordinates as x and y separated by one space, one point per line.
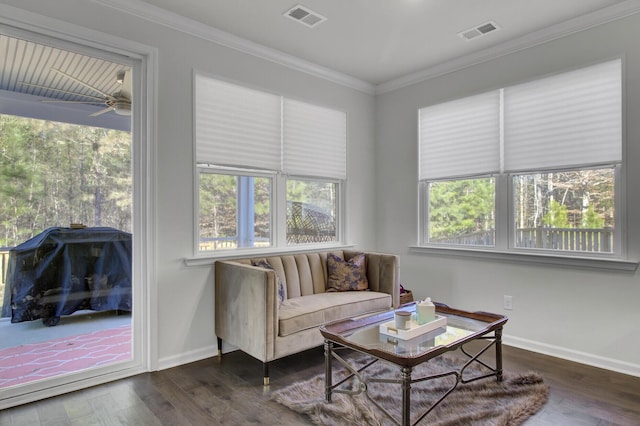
230 392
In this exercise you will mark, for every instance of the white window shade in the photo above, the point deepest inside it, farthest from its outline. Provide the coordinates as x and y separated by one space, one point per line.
569 120
460 138
315 140
236 126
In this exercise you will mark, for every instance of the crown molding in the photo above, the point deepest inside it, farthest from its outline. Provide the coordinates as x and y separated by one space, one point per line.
603 16
177 22
165 18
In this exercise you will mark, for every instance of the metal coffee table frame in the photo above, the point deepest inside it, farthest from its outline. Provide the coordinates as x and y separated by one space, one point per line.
487 327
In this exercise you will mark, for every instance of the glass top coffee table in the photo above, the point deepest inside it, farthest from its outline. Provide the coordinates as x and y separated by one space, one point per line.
363 334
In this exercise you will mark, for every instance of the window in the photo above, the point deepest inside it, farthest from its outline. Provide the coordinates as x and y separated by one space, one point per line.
235 210
311 211
572 210
534 166
270 169
462 211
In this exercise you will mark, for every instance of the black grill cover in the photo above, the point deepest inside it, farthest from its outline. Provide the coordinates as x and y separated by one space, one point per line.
63 270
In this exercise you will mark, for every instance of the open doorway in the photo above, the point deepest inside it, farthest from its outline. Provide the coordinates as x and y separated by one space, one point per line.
66 216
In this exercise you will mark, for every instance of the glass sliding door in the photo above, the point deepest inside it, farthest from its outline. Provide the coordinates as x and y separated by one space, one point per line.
66 217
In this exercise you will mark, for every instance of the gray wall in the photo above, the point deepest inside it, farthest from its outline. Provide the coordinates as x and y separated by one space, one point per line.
185 294
587 315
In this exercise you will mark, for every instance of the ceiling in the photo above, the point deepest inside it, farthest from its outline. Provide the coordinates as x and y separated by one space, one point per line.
29 67
371 43
377 41
30 85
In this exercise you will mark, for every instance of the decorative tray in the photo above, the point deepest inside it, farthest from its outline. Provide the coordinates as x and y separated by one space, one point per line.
389 328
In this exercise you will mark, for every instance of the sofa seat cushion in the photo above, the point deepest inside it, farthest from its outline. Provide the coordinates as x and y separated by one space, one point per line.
314 310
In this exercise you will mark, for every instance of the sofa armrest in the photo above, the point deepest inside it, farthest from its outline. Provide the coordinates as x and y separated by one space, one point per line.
383 274
246 308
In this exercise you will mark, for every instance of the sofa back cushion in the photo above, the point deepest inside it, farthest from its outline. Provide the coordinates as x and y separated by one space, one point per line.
304 274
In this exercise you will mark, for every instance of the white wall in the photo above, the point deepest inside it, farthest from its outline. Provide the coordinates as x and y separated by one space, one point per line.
185 294
587 315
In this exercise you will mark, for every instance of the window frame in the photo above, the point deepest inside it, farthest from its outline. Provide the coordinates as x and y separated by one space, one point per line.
617 249
339 211
505 229
505 249
205 169
280 176
278 214
425 239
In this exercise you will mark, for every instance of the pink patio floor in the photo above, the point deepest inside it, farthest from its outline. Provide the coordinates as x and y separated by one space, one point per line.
36 361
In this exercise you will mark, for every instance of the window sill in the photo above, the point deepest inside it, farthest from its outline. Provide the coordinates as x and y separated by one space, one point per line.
210 258
530 258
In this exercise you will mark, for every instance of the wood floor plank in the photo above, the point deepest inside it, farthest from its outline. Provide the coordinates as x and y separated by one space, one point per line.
136 415
161 408
91 419
123 395
230 392
77 406
204 383
104 408
183 403
52 413
25 416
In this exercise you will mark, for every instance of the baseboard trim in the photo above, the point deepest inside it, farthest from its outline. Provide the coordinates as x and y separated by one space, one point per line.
517 342
188 357
575 356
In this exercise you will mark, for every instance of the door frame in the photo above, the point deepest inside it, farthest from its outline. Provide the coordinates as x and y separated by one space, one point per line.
144 63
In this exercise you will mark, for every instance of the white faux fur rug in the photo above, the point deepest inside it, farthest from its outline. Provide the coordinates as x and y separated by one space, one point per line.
483 402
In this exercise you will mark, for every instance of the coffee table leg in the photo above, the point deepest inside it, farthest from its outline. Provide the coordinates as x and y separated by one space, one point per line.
328 348
499 354
406 396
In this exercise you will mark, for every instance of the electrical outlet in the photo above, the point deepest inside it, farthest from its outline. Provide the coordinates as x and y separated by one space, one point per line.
508 302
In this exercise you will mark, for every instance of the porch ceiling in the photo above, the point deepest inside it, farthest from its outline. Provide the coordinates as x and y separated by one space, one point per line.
28 77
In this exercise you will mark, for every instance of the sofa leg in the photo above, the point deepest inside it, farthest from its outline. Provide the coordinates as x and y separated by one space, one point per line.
265 371
219 348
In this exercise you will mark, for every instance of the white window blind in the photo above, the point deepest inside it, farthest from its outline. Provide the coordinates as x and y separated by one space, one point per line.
460 138
315 140
241 127
569 120
236 126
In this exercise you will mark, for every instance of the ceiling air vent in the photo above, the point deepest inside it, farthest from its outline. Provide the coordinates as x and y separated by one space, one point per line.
305 16
479 31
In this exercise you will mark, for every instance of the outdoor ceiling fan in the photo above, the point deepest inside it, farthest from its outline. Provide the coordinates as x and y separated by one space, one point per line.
119 102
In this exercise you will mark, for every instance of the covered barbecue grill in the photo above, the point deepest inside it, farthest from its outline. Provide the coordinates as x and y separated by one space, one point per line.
64 270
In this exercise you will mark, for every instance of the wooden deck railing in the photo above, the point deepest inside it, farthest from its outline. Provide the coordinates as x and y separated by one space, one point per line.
293 237
598 240
4 263
595 240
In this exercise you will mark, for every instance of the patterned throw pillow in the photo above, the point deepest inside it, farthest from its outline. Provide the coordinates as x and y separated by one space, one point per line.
347 275
267 265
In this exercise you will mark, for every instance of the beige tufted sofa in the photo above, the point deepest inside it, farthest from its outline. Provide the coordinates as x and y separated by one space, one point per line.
249 315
